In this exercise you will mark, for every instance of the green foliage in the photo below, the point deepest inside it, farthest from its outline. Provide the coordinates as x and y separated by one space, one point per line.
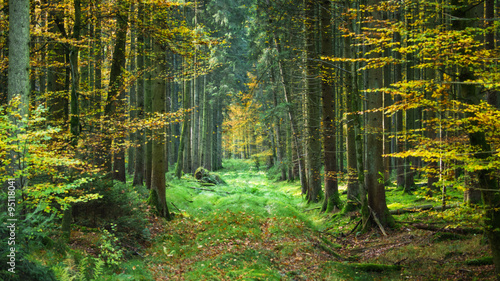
121 204
249 264
45 163
26 268
447 236
86 269
480 261
110 249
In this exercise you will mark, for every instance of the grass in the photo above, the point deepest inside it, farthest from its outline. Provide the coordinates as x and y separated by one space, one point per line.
254 228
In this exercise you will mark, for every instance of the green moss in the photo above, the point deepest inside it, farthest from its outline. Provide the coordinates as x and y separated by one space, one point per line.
480 261
448 236
371 267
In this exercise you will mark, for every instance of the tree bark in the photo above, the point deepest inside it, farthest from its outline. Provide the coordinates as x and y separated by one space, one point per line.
350 121
374 180
158 183
114 108
140 137
57 101
312 104
147 111
18 80
332 199
75 74
185 127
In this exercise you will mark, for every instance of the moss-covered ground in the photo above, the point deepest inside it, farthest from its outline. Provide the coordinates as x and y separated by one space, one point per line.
255 228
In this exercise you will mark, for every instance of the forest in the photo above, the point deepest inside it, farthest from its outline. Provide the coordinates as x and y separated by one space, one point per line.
249 140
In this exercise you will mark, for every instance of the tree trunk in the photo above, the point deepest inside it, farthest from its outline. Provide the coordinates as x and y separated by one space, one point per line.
206 140
374 179
291 115
57 101
140 137
158 183
332 200
185 127
350 120
312 104
486 180
147 112
75 75
114 104
132 97
18 81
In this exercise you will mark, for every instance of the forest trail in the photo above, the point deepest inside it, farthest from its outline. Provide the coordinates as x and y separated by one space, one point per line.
257 232
263 230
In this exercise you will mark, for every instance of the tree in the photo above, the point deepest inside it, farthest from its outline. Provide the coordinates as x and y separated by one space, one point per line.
312 103
140 135
115 104
374 180
332 200
158 183
18 80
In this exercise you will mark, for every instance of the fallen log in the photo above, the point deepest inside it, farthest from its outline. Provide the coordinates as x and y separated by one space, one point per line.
206 189
416 209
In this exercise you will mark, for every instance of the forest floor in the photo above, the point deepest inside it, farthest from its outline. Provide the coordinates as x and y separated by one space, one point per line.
255 228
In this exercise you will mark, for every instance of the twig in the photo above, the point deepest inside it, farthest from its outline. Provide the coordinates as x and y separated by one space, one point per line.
355 227
176 207
377 221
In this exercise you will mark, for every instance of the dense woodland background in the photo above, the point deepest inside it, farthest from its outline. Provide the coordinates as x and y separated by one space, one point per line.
365 94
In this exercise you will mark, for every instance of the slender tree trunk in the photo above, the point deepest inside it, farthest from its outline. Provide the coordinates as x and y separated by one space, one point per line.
207 131
147 112
132 98
291 115
277 133
350 121
140 137
57 101
75 74
114 104
185 127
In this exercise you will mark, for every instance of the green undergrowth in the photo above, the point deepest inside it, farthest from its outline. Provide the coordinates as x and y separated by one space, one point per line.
252 228
256 228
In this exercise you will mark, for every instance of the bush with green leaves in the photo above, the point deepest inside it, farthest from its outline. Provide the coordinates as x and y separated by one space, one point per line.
111 252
